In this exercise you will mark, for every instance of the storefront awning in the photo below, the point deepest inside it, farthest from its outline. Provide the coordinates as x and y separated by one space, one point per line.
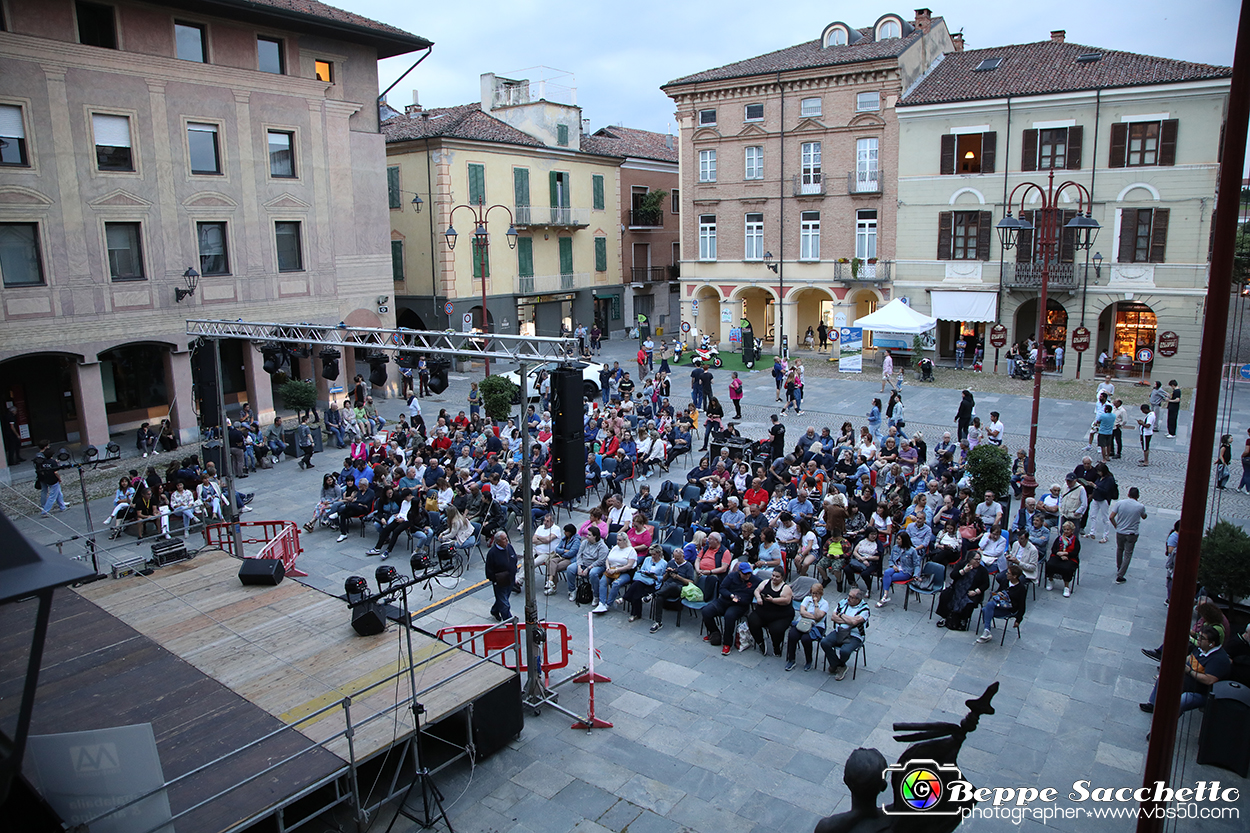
964 306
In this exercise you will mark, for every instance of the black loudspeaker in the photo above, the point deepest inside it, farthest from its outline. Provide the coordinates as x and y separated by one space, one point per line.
204 371
264 571
566 402
1225 737
568 466
214 452
368 620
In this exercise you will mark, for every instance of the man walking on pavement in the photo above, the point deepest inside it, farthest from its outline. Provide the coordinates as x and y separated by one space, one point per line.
887 371
1126 516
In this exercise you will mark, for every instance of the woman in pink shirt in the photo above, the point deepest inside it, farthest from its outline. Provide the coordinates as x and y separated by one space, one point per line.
640 533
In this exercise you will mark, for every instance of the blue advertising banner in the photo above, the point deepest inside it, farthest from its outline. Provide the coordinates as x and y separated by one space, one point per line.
852 357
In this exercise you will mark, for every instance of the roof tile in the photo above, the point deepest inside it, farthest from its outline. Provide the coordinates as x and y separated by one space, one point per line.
1048 67
629 141
317 9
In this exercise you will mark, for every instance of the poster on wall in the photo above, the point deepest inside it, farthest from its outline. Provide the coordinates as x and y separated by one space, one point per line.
851 359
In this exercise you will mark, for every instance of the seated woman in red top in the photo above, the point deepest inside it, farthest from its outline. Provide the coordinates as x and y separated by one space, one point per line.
1065 556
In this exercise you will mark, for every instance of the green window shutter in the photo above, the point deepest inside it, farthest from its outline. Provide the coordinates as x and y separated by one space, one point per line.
525 256
601 254
392 187
521 186
397 261
562 135
597 181
555 191
566 255
481 257
477 184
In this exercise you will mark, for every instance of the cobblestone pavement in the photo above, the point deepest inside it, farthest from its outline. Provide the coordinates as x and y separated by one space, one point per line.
709 743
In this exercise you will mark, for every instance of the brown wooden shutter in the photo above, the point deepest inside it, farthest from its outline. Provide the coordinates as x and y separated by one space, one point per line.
1119 149
1219 149
1128 235
984 230
1167 142
945 222
1024 240
1028 156
1067 237
989 149
948 154
1075 136
1159 234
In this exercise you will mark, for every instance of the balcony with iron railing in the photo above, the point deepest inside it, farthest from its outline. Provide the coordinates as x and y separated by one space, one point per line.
648 274
863 273
674 272
551 216
1029 276
642 218
867 182
564 282
809 185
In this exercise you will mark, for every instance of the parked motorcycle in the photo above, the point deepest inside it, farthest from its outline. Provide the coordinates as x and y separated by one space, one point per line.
679 350
707 353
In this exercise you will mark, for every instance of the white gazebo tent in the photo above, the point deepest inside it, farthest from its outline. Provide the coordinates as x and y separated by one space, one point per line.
896 317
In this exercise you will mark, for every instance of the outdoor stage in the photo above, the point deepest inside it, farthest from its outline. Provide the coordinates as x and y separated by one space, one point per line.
215 665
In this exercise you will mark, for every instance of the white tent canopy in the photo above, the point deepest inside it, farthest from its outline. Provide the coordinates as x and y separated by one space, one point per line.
896 317
964 306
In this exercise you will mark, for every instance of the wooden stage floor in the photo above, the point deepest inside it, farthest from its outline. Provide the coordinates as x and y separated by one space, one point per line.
275 655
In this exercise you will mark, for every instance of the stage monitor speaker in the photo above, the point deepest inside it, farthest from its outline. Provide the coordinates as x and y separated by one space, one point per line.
438 375
214 451
265 571
368 620
568 465
567 408
204 372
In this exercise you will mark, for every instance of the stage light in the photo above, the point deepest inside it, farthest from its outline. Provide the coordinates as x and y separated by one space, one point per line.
275 358
386 574
377 369
356 588
330 363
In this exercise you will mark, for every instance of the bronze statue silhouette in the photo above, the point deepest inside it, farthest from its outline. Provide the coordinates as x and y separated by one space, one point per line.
864 776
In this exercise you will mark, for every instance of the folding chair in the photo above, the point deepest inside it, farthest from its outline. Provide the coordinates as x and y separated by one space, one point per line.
1011 614
938 572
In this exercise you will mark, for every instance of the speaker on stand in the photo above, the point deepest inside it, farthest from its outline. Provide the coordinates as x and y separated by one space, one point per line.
568 440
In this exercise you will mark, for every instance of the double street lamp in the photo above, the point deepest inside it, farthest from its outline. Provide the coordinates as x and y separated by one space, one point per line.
481 244
1084 229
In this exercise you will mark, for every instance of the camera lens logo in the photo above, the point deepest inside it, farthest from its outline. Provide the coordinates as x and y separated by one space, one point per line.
921 789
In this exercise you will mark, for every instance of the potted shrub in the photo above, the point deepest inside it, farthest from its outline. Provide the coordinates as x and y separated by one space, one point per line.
855 264
498 396
301 397
1224 565
989 466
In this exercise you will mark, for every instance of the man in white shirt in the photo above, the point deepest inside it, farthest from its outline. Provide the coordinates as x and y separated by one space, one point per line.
887 371
1146 425
1117 433
994 431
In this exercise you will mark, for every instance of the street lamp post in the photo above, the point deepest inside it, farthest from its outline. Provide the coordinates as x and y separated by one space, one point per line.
481 244
1084 229
781 294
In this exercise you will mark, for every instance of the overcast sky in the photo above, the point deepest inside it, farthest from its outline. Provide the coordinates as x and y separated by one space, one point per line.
620 53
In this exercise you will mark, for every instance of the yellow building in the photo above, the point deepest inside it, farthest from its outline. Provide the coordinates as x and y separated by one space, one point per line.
526 165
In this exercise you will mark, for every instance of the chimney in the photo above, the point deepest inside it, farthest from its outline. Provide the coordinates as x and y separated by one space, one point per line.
923 19
668 141
958 40
1057 35
415 98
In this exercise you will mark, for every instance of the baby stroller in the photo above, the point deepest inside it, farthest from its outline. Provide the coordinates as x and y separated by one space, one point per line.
925 369
1023 369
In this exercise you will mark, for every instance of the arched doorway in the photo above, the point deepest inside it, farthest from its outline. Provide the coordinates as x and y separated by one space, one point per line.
707 320
409 319
135 388
40 389
1055 329
759 309
1124 328
811 306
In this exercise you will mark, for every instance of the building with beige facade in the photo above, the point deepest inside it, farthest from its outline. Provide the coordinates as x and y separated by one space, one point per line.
522 158
1143 134
143 140
794 154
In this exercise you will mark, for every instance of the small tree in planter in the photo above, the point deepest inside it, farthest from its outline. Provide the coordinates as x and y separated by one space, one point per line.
299 396
989 466
652 205
1224 567
498 397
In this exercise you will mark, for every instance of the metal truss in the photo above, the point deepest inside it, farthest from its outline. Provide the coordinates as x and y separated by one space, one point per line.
506 348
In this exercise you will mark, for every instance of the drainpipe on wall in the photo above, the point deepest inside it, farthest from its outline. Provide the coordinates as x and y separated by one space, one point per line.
781 246
1002 253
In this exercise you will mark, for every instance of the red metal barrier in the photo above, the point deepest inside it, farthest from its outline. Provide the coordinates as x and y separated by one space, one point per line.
280 539
476 640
